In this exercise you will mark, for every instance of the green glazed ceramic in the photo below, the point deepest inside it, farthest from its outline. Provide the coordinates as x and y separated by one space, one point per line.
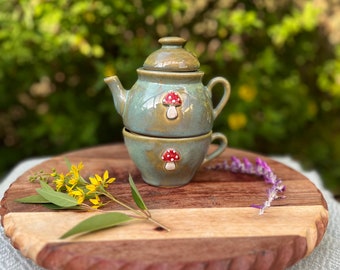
169 99
171 162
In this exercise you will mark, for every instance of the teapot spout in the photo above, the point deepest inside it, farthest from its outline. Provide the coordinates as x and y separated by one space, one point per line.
118 92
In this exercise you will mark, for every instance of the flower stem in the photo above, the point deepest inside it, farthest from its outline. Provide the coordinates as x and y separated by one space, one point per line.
112 198
142 214
158 224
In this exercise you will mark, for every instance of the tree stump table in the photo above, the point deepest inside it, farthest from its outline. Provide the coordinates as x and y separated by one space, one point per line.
211 221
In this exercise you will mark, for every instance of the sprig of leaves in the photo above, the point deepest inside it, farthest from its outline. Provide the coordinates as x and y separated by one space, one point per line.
73 192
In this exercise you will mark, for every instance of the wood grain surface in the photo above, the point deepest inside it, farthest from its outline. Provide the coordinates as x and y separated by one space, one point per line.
212 223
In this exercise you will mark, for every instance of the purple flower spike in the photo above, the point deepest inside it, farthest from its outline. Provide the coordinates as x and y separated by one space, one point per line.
283 189
266 166
248 166
236 165
262 169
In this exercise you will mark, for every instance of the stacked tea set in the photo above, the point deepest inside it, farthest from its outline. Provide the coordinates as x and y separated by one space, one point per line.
168 115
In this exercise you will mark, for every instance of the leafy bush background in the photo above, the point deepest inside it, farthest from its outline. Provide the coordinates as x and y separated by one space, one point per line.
281 57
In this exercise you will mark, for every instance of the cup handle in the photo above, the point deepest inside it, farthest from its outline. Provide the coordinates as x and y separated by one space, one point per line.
226 93
223 142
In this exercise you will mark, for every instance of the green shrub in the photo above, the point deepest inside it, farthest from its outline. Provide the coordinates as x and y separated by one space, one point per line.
282 59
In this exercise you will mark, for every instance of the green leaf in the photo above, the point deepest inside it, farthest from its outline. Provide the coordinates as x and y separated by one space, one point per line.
98 222
136 196
33 199
45 186
56 207
57 198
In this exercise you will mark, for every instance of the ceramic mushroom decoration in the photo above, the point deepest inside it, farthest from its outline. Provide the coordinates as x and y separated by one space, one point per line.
168 115
170 156
172 100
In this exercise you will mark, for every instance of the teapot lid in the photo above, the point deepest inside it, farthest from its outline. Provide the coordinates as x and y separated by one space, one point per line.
172 57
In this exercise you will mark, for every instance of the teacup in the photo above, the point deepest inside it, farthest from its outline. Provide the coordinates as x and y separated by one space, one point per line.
171 162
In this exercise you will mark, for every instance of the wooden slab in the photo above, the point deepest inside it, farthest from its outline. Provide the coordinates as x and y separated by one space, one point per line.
212 223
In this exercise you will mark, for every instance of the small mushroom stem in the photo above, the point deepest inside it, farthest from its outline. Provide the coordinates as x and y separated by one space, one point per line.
171 113
170 166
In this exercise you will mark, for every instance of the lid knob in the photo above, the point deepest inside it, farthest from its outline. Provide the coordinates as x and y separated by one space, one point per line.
172 57
172 41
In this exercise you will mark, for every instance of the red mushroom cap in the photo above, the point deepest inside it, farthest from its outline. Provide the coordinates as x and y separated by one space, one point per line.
172 98
170 155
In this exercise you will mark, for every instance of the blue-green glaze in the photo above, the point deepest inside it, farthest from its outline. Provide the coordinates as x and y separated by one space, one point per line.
143 111
146 152
169 70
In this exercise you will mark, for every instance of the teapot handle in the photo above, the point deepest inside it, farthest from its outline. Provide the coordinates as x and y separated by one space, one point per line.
226 93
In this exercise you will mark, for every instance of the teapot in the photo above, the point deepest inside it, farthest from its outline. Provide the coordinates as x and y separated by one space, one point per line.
169 99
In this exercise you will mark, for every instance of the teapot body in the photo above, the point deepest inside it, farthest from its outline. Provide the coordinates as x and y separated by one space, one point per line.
169 98
168 104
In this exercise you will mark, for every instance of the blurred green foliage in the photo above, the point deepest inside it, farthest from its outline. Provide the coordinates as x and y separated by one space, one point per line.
281 57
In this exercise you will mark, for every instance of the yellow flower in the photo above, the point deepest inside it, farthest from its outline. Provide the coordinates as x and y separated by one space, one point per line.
53 173
76 169
95 184
68 189
106 180
78 194
101 181
73 181
237 121
91 188
96 180
59 182
247 93
96 202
